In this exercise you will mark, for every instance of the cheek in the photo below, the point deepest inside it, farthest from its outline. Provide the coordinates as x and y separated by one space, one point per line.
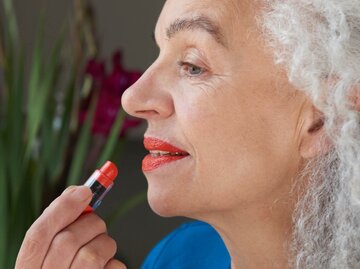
234 149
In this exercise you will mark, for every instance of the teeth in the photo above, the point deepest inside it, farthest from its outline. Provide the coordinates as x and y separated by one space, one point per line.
158 153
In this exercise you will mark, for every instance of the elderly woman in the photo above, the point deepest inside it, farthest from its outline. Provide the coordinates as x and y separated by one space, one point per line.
253 128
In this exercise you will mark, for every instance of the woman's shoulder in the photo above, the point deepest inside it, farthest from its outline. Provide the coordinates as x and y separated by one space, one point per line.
192 245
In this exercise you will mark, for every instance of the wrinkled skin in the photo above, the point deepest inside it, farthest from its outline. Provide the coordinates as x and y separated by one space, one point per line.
215 92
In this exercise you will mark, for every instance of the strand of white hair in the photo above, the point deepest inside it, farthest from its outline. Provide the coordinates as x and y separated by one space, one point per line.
318 42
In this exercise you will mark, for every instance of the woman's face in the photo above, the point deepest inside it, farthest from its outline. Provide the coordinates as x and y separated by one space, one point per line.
215 93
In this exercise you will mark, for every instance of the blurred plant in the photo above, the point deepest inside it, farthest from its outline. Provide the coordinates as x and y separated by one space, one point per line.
108 88
49 117
111 88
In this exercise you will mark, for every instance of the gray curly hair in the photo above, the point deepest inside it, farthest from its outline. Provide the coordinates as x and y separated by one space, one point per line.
318 42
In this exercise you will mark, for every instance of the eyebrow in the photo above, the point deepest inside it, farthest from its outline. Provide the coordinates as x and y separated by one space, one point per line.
202 23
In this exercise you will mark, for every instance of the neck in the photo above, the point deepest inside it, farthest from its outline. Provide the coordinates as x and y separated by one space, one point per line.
257 237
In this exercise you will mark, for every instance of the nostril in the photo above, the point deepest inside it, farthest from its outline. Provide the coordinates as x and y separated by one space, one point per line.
144 113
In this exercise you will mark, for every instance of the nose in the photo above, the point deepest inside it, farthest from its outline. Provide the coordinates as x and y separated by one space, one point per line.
149 98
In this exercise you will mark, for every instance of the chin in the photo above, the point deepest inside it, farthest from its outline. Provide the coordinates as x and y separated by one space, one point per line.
161 204
166 204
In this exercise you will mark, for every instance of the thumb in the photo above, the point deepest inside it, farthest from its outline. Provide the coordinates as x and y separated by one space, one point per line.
63 211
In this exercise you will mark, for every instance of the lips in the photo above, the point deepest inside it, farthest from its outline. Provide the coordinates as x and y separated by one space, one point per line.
161 153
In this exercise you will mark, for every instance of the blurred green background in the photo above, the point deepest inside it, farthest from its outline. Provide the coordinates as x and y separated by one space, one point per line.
124 25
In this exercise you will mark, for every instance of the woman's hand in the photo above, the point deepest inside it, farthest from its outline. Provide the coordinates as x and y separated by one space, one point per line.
60 239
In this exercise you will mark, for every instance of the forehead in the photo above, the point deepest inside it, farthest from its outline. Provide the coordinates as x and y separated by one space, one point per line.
225 13
214 7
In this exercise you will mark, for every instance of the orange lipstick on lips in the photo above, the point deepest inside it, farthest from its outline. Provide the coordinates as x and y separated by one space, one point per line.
161 153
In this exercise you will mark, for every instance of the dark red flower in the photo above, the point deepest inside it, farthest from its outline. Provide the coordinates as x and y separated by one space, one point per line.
96 70
110 87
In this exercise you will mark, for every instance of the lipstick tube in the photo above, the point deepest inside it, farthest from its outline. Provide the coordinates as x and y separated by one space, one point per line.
100 183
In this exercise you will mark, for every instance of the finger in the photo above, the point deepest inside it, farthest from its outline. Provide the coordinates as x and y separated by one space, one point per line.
62 211
115 264
95 254
67 243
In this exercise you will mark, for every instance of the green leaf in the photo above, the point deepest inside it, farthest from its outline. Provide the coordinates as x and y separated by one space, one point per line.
37 106
13 121
47 145
113 138
36 68
82 146
15 125
3 208
2 49
22 215
63 135
17 116
12 29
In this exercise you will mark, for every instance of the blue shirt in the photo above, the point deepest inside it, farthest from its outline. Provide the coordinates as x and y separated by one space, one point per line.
194 245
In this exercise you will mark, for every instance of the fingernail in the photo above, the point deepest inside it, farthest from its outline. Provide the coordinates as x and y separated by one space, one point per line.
80 193
69 189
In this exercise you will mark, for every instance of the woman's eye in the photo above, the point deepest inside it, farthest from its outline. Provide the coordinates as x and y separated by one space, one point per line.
191 69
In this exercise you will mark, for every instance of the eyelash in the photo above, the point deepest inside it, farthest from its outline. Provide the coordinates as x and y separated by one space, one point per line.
185 68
